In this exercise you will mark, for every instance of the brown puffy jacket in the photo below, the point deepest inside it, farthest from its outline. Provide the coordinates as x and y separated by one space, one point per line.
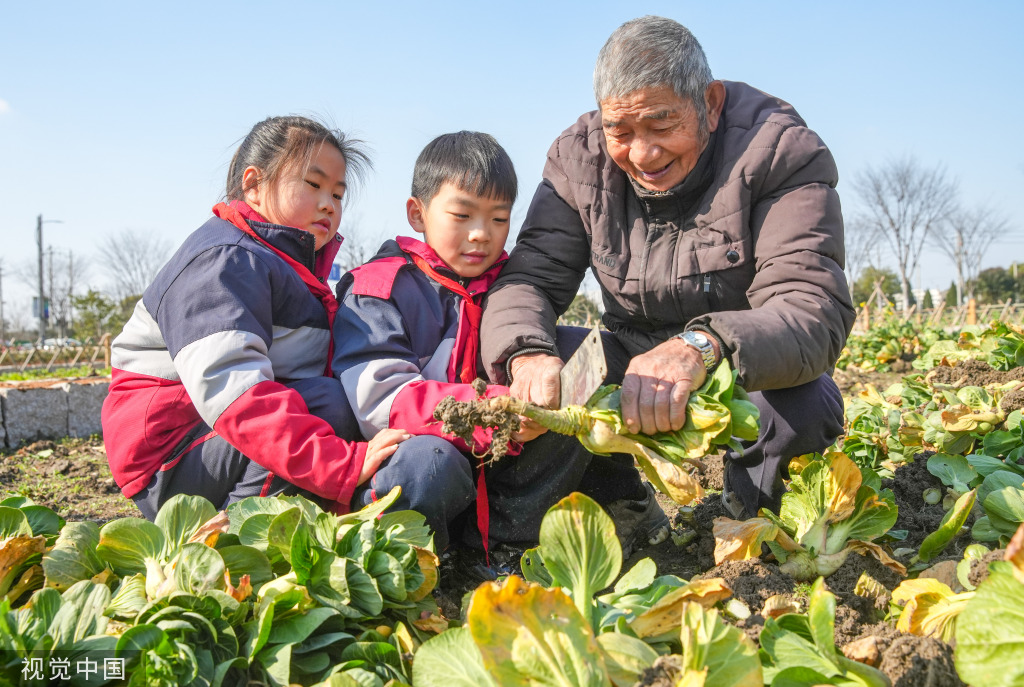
753 249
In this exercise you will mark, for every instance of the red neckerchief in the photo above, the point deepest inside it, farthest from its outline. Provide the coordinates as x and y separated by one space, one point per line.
467 348
238 213
467 345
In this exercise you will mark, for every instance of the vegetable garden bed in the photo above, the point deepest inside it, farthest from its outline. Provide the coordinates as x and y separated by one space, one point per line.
938 468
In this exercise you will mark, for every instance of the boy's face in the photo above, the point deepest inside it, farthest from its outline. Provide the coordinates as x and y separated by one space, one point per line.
467 231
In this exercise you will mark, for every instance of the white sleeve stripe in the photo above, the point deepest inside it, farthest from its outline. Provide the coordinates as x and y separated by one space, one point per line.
141 348
219 368
371 389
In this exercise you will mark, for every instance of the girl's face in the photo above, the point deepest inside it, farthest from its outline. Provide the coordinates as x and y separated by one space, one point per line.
308 199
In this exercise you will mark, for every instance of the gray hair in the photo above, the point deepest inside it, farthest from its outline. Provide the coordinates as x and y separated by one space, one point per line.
650 52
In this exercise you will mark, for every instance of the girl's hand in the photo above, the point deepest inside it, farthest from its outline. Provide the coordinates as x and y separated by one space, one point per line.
379 449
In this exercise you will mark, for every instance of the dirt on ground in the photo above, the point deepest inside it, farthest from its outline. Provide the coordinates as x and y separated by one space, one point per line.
70 476
73 478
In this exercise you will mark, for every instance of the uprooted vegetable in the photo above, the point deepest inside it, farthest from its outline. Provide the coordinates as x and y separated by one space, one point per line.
717 414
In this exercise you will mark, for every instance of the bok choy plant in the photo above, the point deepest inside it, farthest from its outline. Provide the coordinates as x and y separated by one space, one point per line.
719 413
990 630
800 649
553 631
272 591
827 513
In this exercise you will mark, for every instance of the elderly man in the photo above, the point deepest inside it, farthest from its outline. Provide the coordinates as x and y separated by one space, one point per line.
707 210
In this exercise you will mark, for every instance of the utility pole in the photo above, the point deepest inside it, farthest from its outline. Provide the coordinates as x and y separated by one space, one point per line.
42 295
3 329
42 301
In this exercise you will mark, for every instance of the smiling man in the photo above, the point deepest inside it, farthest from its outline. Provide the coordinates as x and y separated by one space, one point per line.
707 210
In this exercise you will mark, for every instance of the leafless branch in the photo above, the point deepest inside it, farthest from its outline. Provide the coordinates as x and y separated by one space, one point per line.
905 203
131 259
965 237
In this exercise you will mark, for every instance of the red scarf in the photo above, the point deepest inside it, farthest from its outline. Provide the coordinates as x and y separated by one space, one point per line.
467 340
238 213
467 346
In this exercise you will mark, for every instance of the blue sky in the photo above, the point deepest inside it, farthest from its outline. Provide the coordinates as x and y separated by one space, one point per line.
125 115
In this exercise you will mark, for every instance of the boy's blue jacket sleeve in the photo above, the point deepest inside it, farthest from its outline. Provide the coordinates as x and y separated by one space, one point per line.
394 350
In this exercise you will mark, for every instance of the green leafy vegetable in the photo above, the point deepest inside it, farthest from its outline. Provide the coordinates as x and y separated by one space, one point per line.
717 414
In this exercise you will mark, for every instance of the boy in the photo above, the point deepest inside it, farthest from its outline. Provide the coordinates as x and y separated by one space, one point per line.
407 336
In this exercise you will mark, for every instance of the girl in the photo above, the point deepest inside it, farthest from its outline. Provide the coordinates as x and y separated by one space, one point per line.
221 383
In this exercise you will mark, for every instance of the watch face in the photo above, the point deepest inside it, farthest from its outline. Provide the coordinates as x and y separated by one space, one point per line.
700 338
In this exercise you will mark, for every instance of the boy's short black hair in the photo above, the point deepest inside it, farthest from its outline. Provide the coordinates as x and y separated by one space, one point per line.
472 161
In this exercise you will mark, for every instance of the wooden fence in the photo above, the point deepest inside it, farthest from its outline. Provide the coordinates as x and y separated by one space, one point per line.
49 357
941 317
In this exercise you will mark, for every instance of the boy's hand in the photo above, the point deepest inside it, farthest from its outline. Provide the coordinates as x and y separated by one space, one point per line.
528 430
379 449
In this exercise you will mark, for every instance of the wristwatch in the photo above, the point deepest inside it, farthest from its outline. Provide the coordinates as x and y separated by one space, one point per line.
702 343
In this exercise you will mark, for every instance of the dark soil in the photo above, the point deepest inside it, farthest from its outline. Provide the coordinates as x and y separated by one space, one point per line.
861 610
973 372
853 381
915 515
71 477
912 661
753 582
713 474
980 373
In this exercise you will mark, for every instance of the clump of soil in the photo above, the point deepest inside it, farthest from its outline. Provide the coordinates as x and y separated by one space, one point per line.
912 661
461 418
979 568
753 582
853 611
665 672
711 477
973 372
704 514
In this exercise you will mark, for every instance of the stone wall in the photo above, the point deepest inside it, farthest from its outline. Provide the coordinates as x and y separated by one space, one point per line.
50 409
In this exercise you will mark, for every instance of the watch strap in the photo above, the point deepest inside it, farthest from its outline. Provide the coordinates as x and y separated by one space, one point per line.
701 342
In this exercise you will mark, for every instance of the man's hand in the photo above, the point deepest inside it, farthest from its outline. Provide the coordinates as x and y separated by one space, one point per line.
657 385
535 379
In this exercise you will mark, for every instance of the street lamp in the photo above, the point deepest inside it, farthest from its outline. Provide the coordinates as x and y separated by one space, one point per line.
42 298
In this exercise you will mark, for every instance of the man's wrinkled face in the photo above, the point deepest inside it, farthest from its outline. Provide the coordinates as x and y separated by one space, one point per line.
654 135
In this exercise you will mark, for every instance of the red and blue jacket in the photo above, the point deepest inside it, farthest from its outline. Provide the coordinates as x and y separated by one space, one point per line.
407 335
240 308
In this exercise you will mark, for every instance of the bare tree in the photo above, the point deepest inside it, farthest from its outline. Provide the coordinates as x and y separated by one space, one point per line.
861 250
131 258
905 203
358 246
964 238
63 272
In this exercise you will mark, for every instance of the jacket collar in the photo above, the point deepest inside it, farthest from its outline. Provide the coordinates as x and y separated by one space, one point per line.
295 243
413 246
681 197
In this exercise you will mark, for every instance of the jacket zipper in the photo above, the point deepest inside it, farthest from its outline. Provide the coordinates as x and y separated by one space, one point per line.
652 229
